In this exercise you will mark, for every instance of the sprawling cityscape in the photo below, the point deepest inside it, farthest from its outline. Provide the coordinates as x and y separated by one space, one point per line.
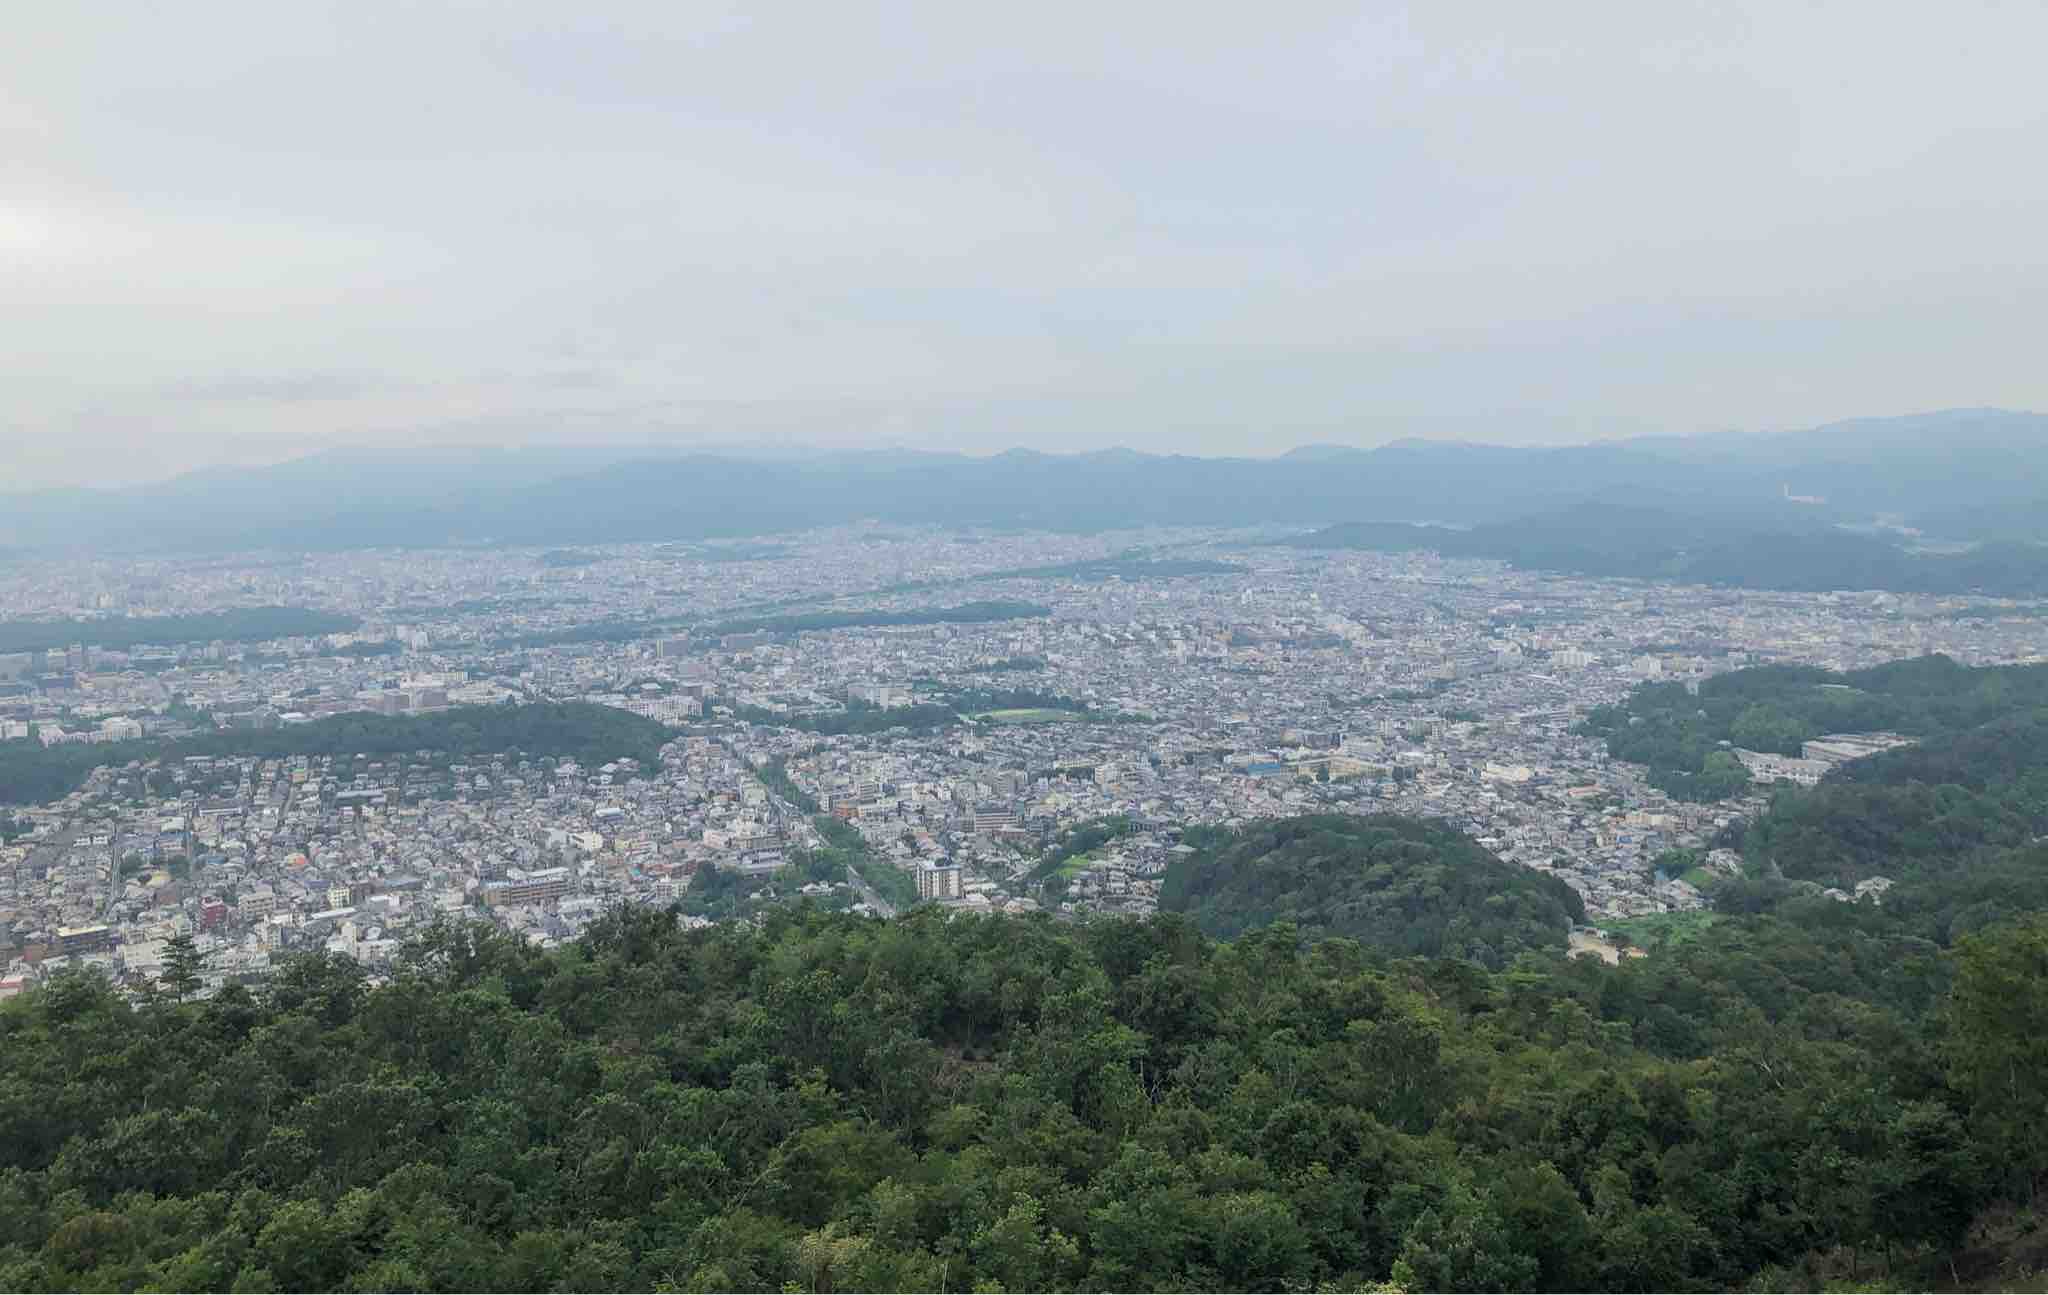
1162 679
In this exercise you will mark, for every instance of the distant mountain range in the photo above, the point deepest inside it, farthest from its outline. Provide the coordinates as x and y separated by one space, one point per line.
1963 475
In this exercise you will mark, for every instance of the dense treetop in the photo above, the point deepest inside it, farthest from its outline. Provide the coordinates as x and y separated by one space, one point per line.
839 1103
1405 884
1953 805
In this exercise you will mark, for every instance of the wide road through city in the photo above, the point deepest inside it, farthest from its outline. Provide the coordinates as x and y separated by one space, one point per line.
787 811
867 893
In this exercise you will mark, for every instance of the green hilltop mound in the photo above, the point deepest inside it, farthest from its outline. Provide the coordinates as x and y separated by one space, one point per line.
1406 885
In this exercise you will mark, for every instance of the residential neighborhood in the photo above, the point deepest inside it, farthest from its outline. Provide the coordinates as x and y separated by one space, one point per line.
1160 680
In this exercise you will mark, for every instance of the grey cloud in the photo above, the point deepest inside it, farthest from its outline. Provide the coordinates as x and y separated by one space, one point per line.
1164 225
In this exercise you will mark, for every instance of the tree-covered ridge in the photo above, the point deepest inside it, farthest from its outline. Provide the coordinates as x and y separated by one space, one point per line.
836 1103
243 624
1653 544
1678 733
589 734
1406 884
1952 804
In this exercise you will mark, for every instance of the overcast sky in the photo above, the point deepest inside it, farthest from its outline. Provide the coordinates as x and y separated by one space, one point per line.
236 232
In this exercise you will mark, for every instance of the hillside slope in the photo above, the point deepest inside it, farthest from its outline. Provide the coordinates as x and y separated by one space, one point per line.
1406 885
987 1103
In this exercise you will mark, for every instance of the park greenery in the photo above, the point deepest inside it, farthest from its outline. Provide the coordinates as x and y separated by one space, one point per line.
592 735
858 717
775 773
957 706
1075 844
847 850
989 701
241 625
1008 665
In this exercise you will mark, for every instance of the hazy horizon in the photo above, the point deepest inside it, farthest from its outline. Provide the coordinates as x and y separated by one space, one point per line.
268 231
599 448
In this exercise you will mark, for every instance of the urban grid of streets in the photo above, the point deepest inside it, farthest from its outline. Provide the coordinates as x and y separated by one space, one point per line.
1349 682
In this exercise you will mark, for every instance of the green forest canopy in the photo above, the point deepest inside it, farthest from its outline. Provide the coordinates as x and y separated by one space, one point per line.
822 1102
1406 884
1677 733
590 734
1952 805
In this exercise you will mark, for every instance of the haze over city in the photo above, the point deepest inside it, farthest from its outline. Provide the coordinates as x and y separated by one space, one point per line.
295 227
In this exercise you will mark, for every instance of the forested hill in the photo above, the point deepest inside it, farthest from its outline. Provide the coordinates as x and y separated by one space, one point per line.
1678 734
1954 809
835 1103
1957 819
1407 885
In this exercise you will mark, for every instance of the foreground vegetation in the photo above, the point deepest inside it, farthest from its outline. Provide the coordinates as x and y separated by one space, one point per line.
828 1102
